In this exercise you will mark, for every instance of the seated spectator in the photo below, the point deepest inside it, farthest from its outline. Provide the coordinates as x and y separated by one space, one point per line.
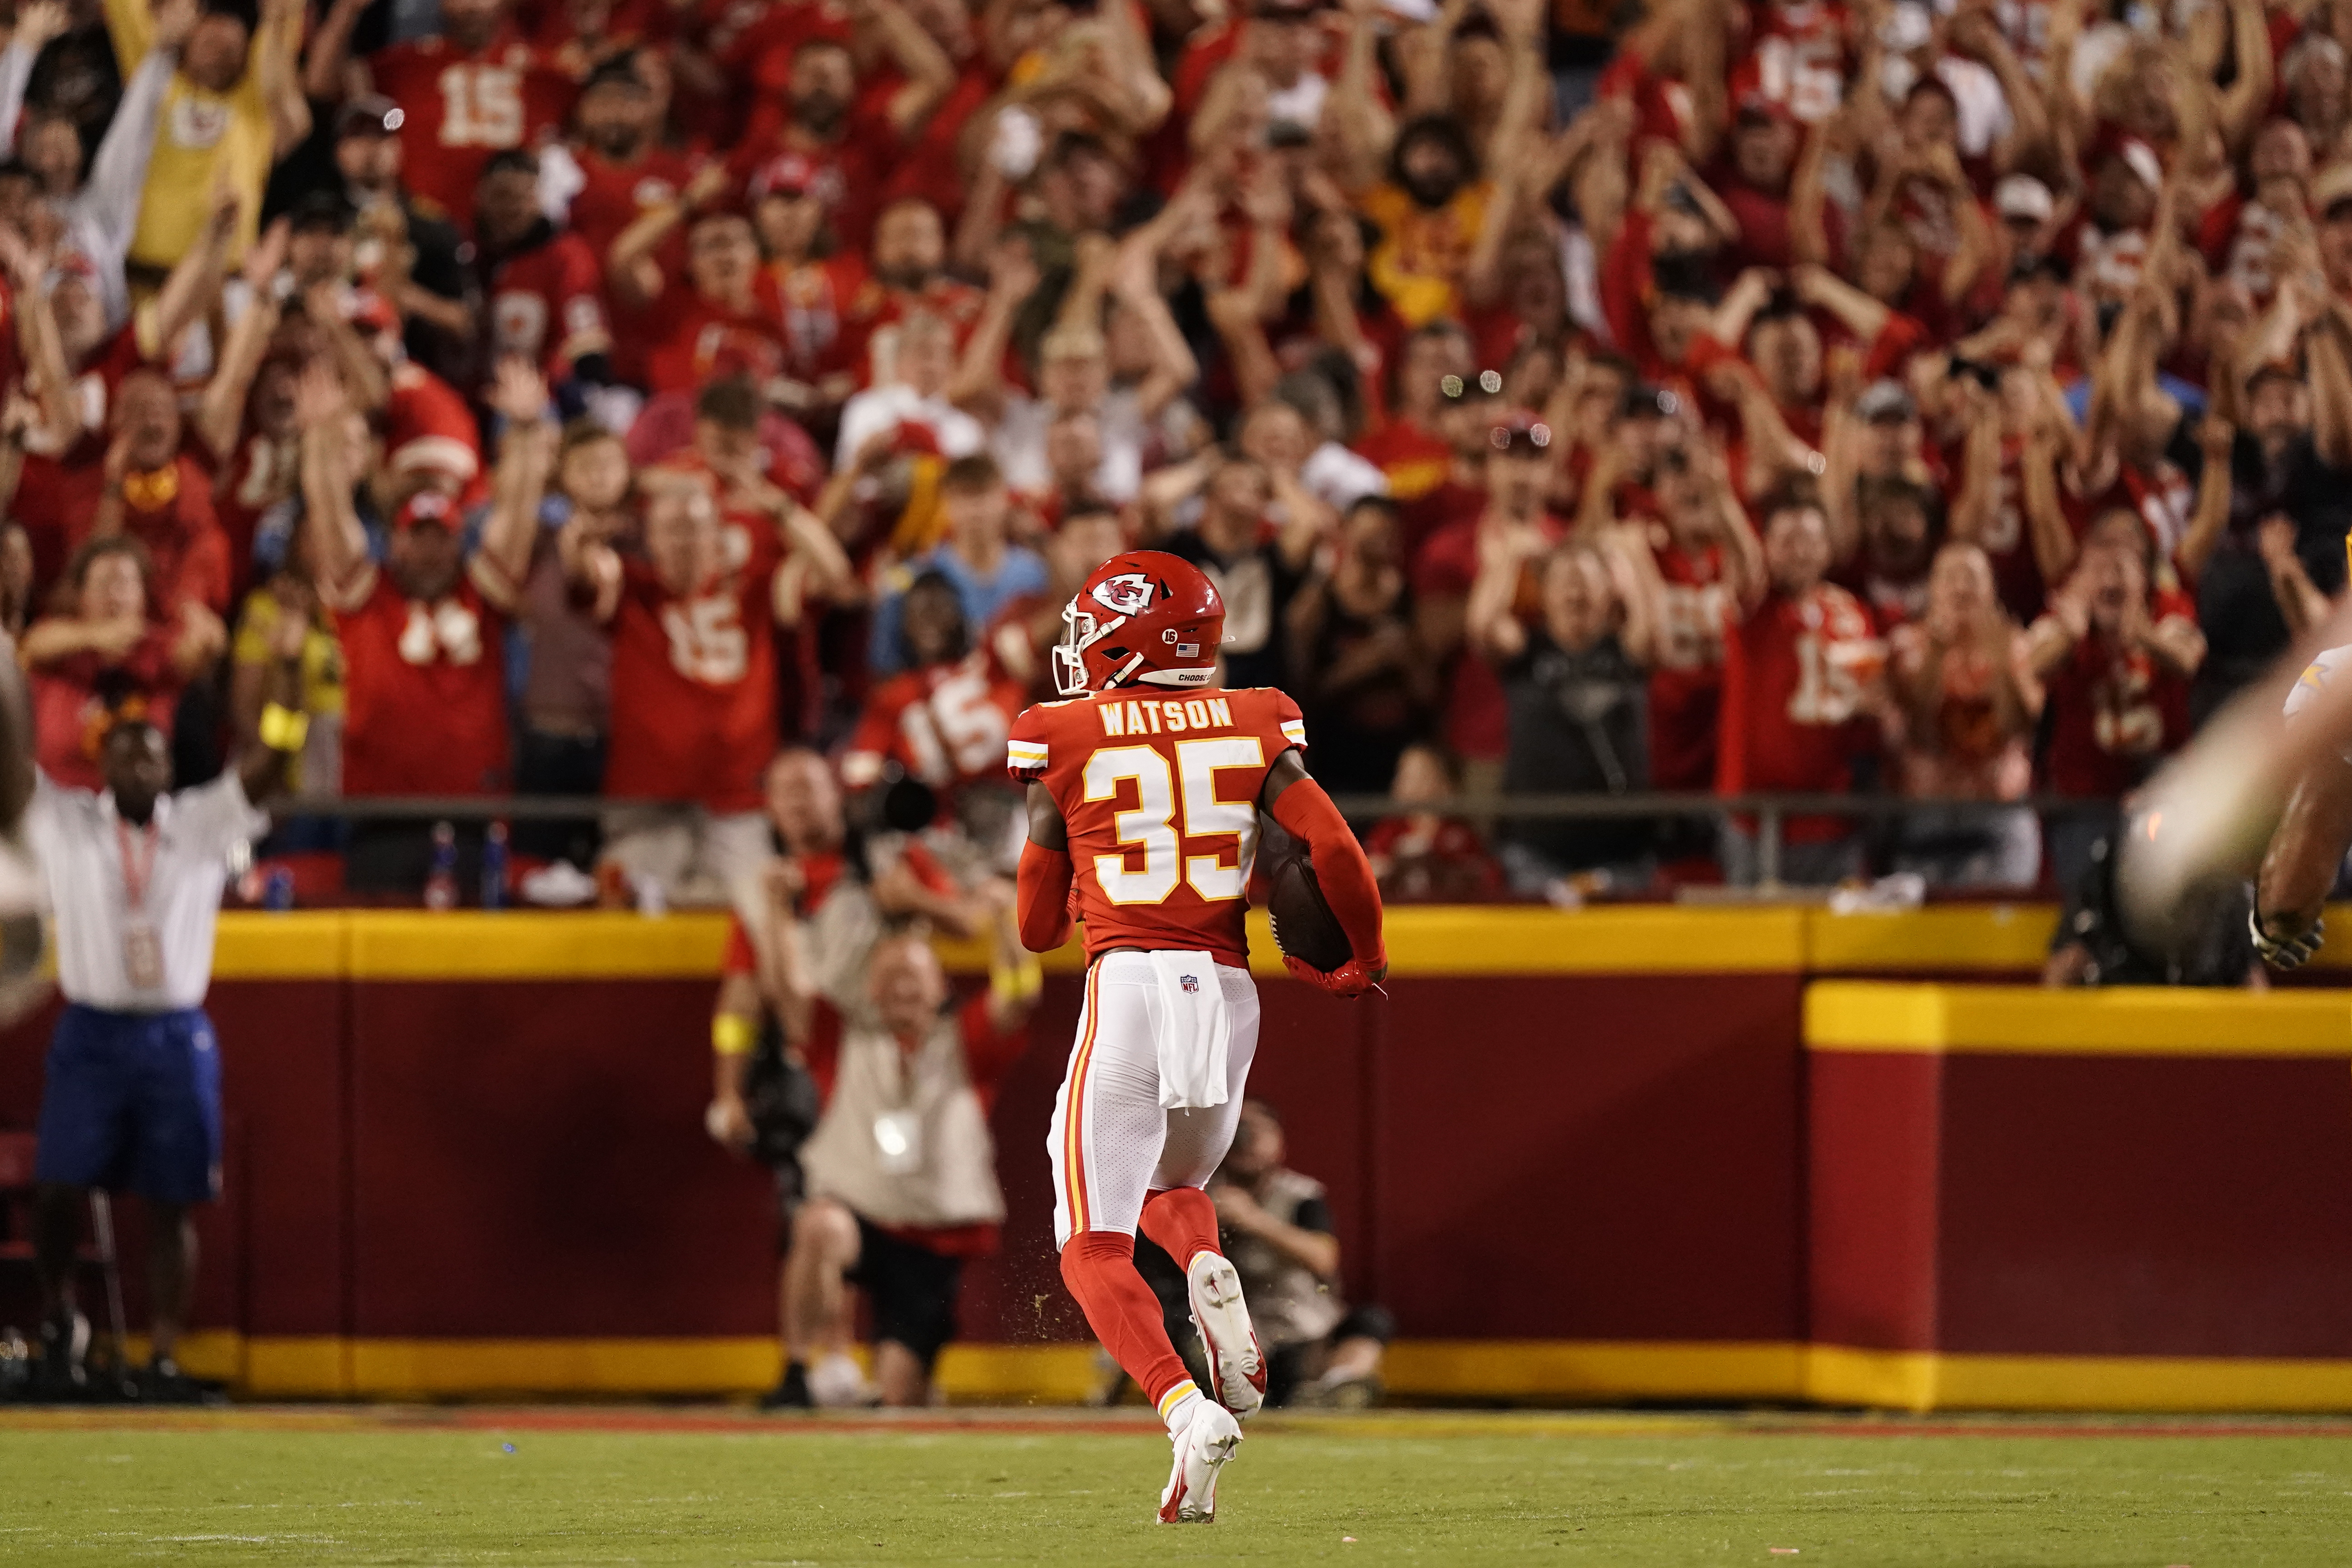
1421 854
110 653
1965 702
1576 687
1277 1227
1802 683
988 571
901 1169
1356 668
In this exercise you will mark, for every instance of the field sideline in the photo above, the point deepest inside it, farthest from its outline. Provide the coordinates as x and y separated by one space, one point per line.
340 1485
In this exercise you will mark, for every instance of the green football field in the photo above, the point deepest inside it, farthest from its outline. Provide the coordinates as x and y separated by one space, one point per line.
714 1485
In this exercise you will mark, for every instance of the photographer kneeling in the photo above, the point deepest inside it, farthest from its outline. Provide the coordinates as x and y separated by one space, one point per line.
901 1170
834 894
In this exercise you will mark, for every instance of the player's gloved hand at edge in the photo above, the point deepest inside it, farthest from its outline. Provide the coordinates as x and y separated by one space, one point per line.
2284 952
1353 978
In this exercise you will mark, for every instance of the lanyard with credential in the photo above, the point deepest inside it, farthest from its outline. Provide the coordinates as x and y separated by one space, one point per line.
143 951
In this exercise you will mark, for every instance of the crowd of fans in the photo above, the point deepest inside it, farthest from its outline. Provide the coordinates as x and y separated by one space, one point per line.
1780 396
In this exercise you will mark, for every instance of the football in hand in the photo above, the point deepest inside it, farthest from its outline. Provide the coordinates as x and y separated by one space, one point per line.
1304 925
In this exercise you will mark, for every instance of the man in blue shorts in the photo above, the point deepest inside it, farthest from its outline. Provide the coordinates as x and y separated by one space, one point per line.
130 1099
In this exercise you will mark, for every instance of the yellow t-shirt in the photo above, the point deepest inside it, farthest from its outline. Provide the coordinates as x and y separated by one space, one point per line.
1419 262
322 664
201 137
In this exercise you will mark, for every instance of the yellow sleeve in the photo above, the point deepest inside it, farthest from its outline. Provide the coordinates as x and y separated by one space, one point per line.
131 25
249 97
253 628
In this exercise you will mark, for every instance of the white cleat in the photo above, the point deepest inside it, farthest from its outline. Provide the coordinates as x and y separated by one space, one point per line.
1236 1365
1202 1450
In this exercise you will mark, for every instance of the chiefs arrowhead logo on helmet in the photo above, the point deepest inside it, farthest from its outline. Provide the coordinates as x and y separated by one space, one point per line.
1123 595
1165 621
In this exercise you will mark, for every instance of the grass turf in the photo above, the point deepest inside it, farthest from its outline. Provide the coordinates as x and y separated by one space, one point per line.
568 1487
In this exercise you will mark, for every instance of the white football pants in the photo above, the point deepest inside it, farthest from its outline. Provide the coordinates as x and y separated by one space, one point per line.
1112 1142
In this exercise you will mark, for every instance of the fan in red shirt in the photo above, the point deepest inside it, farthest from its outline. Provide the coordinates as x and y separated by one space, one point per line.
1409 447
107 653
1519 472
719 318
1711 571
910 277
944 718
146 486
544 287
2116 656
693 683
1802 680
818 90
475 89
426 684
614 166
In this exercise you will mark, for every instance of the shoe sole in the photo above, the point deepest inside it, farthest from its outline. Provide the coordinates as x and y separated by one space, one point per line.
1222 1318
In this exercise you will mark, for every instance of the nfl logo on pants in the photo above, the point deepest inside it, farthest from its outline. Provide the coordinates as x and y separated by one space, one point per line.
1191 983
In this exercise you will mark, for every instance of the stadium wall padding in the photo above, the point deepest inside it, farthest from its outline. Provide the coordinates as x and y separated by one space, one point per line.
1583 1156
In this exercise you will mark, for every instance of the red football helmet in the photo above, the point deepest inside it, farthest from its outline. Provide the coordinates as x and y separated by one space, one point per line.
1144 616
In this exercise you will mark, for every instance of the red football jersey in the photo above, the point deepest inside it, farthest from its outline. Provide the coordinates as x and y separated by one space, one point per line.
1796 681
460 107
1687 685
946 725
703 341
1798 59
258 474
1160 794
615 195
694 688
2113 714
424 690
546 305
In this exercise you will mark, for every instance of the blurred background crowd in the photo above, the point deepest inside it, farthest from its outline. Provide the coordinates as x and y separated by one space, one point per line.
1943 408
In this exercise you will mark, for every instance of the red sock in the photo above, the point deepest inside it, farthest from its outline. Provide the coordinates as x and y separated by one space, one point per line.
1182 1221
1099 1266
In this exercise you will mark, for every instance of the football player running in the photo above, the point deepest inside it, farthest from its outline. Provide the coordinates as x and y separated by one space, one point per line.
1145 786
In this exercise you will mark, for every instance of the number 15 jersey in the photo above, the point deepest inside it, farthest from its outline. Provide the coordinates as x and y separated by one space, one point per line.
1160 791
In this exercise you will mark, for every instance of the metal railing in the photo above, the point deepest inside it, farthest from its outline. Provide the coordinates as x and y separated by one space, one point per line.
1770 812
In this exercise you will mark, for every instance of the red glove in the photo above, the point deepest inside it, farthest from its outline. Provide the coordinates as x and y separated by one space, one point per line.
1352 979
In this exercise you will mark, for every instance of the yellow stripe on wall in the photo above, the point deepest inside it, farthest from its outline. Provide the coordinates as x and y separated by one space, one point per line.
2130 1021
1920 1381
1559 1371
1423 941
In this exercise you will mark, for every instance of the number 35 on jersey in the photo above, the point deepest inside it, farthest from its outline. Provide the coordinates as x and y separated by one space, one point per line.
1161 797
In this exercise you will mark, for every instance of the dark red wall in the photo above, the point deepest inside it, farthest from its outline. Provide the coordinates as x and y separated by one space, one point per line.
1602 1157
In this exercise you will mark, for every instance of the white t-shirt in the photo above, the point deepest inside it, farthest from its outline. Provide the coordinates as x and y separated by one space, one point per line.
182 857
881 408
1020 445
